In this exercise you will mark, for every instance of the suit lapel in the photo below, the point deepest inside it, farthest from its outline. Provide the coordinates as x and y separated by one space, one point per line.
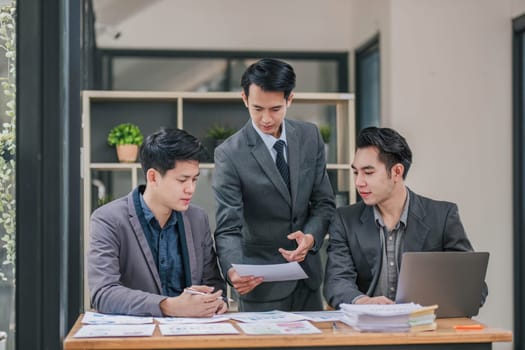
369 240
143 243
190 245
417 230
293 161
263 157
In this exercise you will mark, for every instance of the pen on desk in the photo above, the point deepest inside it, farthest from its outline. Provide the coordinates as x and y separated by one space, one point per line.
334 326
467 327
196 292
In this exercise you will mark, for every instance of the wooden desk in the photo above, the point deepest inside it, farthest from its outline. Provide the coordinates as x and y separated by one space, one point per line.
445 337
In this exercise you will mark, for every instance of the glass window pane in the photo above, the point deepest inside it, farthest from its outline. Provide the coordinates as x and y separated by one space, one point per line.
211 74
7 169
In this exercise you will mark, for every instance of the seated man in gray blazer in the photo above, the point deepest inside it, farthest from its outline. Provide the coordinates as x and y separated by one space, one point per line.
367 239
148 247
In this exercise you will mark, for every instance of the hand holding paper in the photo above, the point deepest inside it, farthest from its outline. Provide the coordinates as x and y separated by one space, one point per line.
243 284
272 272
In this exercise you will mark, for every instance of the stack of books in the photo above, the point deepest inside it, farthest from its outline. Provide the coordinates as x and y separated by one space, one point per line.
407 317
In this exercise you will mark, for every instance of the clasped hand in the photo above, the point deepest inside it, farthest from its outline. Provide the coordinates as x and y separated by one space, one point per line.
206 304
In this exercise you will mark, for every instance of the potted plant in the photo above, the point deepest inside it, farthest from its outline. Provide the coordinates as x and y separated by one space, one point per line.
325 132
127 138
220 133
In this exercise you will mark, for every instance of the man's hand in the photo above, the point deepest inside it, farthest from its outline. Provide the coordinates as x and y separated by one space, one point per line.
243 284
305 242
373 300
193 305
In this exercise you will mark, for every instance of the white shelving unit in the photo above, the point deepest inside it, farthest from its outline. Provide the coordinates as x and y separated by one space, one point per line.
338 108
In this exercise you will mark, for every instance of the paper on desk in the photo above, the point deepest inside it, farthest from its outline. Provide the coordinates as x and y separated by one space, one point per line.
265 316
98 318
298 327
115 330
194 320
193 329
321 316
272 272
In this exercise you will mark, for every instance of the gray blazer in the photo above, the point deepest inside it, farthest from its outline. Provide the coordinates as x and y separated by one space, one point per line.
122 275
354 251
255 211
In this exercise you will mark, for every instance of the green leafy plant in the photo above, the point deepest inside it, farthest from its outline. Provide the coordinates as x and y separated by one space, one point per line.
8 140
125 134
325 133
218 132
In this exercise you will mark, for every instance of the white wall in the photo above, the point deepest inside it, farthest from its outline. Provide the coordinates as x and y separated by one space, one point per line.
446 86
234 25
518 8
451 97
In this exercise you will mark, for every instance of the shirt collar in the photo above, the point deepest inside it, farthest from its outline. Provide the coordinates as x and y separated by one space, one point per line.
149 216
269 140
404 214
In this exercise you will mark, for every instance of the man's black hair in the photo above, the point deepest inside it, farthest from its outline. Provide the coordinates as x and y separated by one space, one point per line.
269 74
163 148
392 147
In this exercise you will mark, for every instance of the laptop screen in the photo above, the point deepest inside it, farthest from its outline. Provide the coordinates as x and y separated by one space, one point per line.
452 280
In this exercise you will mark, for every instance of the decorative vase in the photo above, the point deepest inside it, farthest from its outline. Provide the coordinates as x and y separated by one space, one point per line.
127 153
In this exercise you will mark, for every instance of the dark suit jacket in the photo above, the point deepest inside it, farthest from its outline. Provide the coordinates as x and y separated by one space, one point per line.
255 210
354 251
122 275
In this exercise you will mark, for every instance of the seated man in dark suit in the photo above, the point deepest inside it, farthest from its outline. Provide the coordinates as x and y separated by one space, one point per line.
147 247
367 239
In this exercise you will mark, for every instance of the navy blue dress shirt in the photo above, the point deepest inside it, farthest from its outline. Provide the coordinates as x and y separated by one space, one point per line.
166 248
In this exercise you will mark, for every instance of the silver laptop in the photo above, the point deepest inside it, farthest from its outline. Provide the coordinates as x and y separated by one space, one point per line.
453 280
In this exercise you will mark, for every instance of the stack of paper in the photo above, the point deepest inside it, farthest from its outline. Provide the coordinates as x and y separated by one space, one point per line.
408 317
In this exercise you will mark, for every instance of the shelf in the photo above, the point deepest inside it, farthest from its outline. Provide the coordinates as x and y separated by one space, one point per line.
114 166
309 97
197 112
136 166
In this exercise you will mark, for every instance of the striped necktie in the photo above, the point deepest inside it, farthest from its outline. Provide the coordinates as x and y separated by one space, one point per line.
282 166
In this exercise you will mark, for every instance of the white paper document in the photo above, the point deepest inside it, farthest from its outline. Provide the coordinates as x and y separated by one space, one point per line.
273 272
197 329
298 327
115 330
266 316
194 320
321 316
98 318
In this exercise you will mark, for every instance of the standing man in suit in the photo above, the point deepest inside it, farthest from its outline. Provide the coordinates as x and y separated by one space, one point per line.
147 247
273 194
367 239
